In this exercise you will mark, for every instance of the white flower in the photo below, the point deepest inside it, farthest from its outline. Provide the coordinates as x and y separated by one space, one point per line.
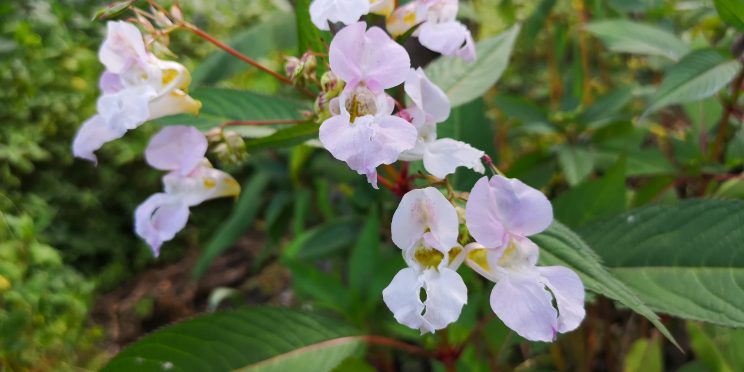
430 106
425 228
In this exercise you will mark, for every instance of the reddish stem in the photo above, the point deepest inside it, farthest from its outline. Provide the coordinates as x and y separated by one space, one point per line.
400 345
201 33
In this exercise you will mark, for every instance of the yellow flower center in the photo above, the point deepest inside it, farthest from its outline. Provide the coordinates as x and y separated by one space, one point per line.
428 257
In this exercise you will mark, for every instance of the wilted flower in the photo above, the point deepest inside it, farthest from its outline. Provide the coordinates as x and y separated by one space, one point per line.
136 86
425 228
430 106
190 181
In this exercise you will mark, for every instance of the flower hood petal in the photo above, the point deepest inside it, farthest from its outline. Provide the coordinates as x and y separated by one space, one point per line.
122 48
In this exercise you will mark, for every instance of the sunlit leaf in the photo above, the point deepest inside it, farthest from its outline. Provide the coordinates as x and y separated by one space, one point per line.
731 11
622 35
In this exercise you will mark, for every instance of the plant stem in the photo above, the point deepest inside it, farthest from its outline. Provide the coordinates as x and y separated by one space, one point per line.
583 15
400 345
204 35
235 123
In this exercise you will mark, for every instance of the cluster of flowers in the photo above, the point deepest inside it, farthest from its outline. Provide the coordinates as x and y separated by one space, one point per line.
500 213
137 87
362 127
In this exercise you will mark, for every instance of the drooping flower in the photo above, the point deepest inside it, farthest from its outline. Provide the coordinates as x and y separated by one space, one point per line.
191 180
425 228
346 11
524 293
368 57
438 28
136 87
362 131
502 209
430 106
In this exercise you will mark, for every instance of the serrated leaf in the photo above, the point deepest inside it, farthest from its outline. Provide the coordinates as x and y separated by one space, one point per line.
113 10
622 35
239 221
364 253
698 75
577 163
561 246
276 32
222 105
606 108
731 11
684 259
466 81
255 339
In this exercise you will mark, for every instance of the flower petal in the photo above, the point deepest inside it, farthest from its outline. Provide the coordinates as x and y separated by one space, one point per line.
159 218
443 156
446 294
402 298
446 38
203 183
425 211
91 136
482 221
427 97
127 108
344 11
569 295
122 47
176 148
524 305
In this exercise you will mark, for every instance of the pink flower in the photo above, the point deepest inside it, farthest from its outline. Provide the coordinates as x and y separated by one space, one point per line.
430 106
346 11
425 227
524 293
501 209
191 181
136 87
368 57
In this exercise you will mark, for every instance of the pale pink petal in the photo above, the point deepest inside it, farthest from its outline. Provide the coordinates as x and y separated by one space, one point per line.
122 47
568 290
481 218
425 211
159 218
370 56
526 307
446 294
344 11
203 183
446 38
426 97
176 148
443 156
110 82
125 109
91 136
467 52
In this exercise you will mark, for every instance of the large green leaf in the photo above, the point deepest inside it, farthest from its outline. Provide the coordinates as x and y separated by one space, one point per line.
466 81
561 246
222 105
685 260
309 37
238 222
622 35
276 32
323 240
290 136
731 11
255 339
593 199
699 74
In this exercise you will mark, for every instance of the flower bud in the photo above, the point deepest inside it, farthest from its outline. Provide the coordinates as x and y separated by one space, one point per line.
292 67
331 84
227 146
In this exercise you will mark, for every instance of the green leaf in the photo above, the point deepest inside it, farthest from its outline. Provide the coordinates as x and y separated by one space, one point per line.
466 81
112 10
364 253
621 35
577 163
468 123
289 136
323 240
731 11
276 32
323 288
222 105
239 221
699 74
309 37
606 108
593 198
521 109
254 339
684 259
561 246
644 356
